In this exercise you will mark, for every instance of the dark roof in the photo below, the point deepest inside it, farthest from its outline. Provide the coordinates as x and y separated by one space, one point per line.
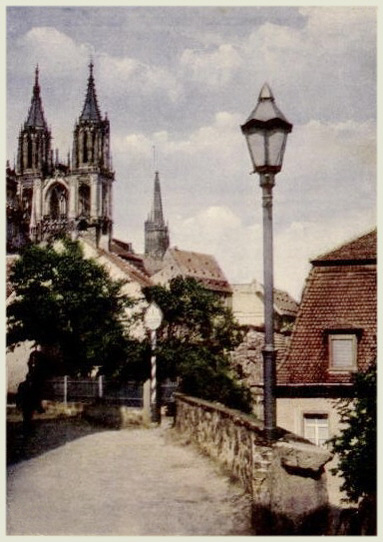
342 296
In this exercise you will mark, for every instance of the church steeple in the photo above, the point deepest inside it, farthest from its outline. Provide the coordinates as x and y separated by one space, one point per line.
91 137
90 110
157 215
156 231
36 113
34 151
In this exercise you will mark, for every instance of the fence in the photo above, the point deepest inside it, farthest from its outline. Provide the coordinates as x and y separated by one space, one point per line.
65 389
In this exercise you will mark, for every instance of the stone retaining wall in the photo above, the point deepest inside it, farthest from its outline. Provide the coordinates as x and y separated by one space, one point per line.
286 479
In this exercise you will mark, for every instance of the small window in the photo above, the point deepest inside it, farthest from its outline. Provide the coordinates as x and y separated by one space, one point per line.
315 428
343 352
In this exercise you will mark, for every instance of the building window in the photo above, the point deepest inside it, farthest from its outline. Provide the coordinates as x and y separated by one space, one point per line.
343 352
315 428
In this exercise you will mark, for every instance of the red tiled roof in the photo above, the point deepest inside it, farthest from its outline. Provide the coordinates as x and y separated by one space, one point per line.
202 267
284 303
125 251
363 248
132 272
342 296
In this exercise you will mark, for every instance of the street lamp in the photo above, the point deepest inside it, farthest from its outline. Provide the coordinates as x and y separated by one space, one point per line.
152 321
266 132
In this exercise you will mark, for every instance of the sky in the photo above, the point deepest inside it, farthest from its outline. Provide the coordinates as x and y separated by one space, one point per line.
177 82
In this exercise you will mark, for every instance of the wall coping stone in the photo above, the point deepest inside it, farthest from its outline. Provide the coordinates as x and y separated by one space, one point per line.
250 422
303 456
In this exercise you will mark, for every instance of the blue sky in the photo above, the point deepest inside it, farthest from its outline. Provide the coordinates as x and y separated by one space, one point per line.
183 79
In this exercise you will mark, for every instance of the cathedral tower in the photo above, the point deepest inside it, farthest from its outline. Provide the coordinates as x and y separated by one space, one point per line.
57 198
91 134
34 163
34 149
156 231
91 170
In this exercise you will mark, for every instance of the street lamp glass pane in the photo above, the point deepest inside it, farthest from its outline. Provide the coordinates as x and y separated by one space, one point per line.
276 147
256 143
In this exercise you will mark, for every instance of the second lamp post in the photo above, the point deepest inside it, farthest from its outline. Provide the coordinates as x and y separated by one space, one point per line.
266 132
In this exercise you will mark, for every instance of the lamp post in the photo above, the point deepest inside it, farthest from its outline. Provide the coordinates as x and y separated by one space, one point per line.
152 321
266 132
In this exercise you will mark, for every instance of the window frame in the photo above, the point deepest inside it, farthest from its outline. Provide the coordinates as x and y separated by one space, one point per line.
317 416
353 366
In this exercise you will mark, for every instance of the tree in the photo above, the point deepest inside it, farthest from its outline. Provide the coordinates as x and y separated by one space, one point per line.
68 304
196 335
356 444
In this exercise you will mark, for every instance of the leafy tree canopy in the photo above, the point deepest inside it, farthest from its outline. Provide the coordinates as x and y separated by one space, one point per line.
194 341
67 303
356 444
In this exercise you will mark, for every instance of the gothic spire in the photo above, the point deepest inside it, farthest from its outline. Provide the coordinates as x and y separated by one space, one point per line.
90 110
156 231
36 113
157 216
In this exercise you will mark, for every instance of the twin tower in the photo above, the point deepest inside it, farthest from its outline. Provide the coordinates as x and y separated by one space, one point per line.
55 197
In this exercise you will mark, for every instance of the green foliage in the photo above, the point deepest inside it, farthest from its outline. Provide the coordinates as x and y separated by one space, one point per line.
356 444
194 340
67 303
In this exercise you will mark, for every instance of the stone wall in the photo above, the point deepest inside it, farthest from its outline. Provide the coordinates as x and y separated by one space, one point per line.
247 363
285 479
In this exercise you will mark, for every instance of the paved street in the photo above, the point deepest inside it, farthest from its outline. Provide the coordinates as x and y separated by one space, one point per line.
128 482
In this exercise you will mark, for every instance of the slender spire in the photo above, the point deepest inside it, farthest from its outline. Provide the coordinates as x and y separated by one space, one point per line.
90 110
157 215
156 231
36 113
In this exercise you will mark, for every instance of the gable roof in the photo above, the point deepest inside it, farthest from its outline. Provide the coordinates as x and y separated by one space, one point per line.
202 267
340 296
284 303
131 271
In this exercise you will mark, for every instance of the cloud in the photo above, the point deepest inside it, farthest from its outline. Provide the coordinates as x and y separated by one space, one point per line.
55 51
219 231
319 70
65 57
212 68
330 166
123 75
